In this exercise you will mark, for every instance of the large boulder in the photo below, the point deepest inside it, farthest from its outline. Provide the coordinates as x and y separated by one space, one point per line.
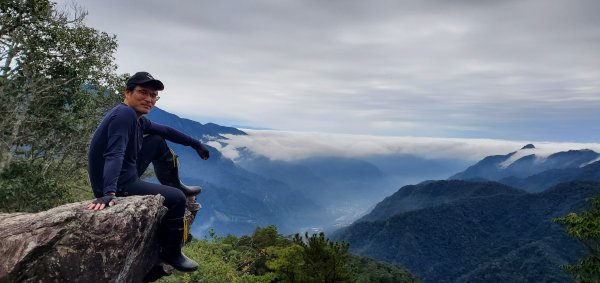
70 243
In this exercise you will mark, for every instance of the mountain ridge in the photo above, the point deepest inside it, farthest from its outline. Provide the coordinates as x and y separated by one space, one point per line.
191 127
541 181
526 163
482 231
434 193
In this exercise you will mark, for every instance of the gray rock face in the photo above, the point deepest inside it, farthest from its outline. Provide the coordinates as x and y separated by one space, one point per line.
70 243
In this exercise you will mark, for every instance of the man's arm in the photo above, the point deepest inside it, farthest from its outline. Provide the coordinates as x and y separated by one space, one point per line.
175 136
119 130
113 161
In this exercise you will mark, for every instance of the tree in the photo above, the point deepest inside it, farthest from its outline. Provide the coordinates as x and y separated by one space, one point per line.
57 78
288 263
312 259
328 258
586 228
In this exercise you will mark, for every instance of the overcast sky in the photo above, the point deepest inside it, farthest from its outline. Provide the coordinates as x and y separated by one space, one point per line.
518 70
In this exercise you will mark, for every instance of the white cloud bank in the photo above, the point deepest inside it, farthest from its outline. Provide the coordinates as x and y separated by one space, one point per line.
286 145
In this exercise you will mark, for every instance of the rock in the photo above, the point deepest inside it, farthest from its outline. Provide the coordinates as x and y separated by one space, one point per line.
70 243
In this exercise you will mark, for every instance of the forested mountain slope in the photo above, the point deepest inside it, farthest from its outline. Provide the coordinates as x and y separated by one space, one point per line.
500 237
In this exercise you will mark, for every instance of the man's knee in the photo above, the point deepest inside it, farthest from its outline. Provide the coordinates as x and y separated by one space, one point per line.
155 140
175 197
180 198
154 147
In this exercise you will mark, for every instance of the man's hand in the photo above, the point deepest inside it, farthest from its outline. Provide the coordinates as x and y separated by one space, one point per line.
102 202
203 152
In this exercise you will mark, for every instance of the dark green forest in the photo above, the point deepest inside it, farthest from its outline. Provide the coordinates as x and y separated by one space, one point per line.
496 235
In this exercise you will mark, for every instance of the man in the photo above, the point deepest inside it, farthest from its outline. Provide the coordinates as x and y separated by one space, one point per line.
123 146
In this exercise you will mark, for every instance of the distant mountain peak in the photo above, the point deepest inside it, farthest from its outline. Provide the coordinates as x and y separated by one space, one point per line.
524 163
195 129
528 146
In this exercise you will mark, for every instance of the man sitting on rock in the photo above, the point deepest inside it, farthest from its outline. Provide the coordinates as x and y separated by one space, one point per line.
123 146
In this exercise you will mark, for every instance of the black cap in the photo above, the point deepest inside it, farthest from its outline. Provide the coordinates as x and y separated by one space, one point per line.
144 78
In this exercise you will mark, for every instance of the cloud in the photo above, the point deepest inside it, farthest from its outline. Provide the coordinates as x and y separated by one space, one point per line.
495 69
286 145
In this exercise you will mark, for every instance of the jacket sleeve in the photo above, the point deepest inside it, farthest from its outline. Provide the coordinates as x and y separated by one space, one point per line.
170 134
120 128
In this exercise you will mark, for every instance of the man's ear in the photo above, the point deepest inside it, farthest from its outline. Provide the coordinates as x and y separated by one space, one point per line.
127 95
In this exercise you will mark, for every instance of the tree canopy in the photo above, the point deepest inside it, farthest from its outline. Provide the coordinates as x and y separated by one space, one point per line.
57 78
586 228
267 256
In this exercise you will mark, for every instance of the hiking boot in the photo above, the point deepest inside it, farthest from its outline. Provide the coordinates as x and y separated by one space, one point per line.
171 240
166 169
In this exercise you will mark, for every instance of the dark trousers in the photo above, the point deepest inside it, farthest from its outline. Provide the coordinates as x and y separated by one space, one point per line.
155 147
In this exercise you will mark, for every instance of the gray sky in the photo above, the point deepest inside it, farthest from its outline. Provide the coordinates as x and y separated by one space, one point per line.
518 70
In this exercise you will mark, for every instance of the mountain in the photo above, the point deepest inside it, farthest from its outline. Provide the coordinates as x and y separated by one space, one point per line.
526 162
434 193
498 235
192 128
232 192
347 187
236 201
346 178
405 169
315 193
546 179
299 176
223 130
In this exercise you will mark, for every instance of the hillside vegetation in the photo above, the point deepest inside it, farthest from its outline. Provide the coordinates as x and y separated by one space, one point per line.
267 256
586 228
56 81
499 237
434 193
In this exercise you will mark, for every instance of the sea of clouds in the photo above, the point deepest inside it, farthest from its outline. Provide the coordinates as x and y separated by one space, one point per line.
288 146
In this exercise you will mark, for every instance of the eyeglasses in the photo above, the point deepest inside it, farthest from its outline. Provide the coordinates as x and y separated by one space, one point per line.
148 93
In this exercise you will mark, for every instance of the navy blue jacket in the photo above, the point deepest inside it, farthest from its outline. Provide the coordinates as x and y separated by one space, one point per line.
115 145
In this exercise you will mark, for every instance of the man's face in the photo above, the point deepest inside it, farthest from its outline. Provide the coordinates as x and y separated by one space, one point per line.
141 99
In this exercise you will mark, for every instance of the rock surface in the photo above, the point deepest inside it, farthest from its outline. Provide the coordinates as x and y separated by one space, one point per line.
70 243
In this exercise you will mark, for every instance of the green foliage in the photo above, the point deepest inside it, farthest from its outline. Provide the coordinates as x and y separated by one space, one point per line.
288 262
368 270
56 81
218 260
25 187
267 256
586 228
323 260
